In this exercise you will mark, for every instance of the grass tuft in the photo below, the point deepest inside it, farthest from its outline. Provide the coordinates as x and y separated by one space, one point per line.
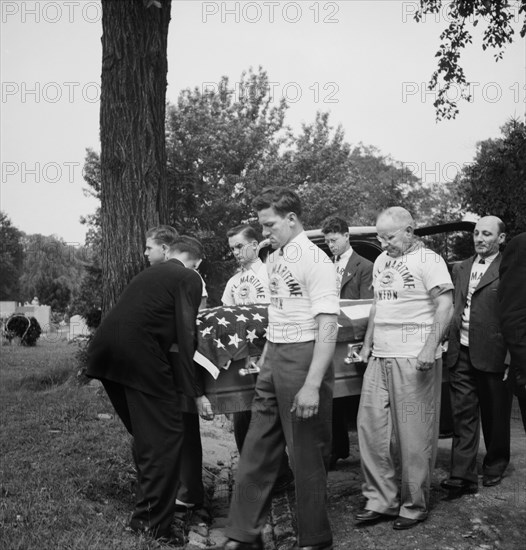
41 381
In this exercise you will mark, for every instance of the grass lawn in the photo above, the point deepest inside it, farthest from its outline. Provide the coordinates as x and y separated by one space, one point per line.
67 478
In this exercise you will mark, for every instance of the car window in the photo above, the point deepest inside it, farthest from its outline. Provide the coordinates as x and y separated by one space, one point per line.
453 246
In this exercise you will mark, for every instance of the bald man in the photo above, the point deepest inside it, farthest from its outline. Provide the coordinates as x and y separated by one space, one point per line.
475 360
400 398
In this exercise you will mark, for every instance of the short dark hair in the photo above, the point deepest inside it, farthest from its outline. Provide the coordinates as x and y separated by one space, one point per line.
191 245
282 199
334 224
249 232
163 234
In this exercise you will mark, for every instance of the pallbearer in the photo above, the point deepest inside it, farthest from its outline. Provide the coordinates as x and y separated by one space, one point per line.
250 286
129 354
293 402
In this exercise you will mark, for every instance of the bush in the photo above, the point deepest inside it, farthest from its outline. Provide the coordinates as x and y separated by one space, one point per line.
26 328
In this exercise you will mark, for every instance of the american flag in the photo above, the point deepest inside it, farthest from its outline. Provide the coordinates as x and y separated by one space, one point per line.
227 334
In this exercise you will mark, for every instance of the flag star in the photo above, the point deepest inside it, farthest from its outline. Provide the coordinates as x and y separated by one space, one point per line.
206 331
219 344
244 308
234 340
222 321
241 318
339 326
251 335
257 317
198 322
266 333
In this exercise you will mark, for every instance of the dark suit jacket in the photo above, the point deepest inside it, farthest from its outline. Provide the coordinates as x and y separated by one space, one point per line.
357 279
486 346
158 307
512 299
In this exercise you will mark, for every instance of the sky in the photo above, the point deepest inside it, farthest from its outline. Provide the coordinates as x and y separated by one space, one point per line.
366 62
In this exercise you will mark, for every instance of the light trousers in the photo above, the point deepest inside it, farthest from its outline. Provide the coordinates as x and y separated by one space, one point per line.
398 425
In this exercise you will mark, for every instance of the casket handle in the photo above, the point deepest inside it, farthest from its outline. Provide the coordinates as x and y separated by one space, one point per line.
353 354
251 368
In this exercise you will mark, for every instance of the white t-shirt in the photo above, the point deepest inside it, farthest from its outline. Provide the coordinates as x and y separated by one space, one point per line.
405 310
302 282
248 286
340 266
477 272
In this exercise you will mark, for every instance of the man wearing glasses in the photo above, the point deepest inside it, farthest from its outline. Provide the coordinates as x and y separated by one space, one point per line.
250 286
400 395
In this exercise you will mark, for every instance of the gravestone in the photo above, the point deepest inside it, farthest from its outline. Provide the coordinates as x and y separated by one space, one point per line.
78 327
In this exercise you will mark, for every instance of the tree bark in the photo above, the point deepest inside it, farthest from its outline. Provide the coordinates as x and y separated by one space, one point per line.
132 118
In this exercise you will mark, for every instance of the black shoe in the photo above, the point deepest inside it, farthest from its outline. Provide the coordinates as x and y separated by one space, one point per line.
283 483
325 546
232 544
405 523
457 487
334 459
369 516
491 481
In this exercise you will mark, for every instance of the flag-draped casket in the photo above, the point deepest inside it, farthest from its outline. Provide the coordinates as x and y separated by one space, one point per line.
230 339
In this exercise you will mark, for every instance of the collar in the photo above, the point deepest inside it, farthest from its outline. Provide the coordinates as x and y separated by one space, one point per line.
299 238
254 266
487 259
175 260
346 255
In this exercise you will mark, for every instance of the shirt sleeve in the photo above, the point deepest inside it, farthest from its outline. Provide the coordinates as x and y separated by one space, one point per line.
434 270
321 286
227 298
187 302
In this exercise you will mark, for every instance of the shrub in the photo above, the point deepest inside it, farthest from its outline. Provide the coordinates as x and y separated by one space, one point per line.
26 328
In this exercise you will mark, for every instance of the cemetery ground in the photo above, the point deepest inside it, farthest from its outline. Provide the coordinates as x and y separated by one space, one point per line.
67 478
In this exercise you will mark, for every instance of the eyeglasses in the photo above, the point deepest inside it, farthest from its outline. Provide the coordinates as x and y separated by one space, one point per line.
388 238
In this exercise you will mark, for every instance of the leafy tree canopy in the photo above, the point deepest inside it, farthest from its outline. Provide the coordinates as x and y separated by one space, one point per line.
11 259
51 270
498 17
495 183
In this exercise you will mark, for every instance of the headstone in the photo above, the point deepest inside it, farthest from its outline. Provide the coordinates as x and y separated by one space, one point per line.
41 313
78 327
7 309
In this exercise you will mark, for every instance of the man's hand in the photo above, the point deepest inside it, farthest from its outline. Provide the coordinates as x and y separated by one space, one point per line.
425 360
306 402
365 353
204 407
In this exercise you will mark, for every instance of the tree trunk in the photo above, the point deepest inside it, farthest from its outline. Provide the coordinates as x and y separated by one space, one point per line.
132 118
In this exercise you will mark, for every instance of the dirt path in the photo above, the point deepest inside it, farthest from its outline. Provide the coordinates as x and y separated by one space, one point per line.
493 519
